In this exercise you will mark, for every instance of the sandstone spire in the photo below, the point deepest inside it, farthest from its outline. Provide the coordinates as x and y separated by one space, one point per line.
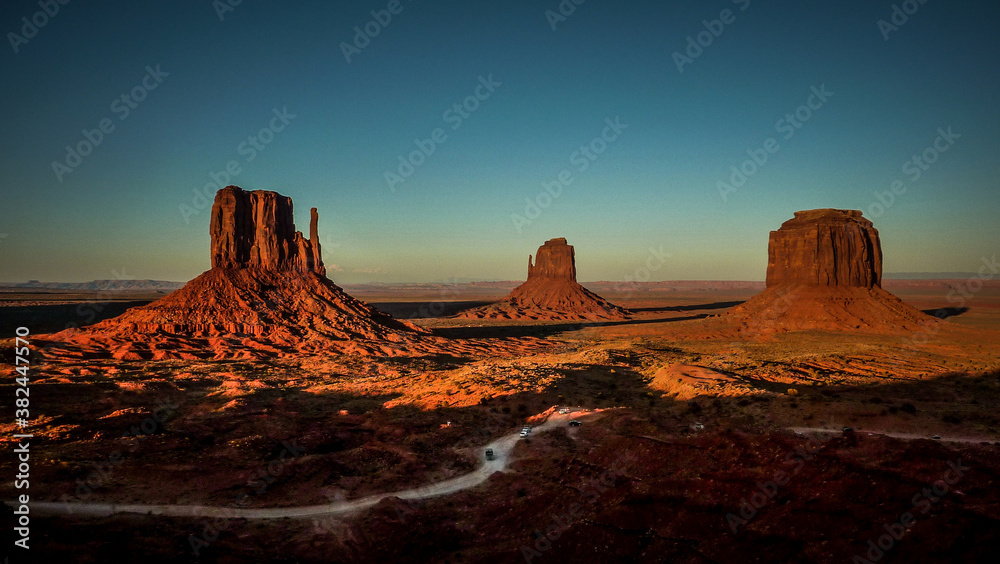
551 292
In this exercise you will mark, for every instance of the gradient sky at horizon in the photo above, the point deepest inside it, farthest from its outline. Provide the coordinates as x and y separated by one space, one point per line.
654 187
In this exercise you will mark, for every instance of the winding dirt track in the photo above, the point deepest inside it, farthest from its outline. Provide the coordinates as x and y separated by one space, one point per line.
905 436
502 449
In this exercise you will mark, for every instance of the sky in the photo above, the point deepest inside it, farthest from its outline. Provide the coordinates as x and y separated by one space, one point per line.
616 125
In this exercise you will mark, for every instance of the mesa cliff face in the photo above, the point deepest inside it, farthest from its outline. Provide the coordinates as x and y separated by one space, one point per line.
824 272
551 292
255 230
555 259
825 248
266 295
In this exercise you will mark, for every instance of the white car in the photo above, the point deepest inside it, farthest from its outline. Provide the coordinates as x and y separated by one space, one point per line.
564 411
524 433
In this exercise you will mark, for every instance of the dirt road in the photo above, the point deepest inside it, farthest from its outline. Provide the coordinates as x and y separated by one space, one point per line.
502 449
905 436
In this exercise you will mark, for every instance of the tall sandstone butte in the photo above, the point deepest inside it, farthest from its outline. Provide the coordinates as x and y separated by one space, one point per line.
825 247
249 304
824 272
555 259
551 292
255 230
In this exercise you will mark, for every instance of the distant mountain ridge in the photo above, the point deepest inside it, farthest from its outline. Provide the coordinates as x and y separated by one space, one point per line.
100 285
929 275
167 285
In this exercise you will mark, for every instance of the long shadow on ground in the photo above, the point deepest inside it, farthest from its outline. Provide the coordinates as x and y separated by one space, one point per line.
544 329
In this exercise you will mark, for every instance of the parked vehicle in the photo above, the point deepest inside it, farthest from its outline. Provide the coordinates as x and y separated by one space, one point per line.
575 423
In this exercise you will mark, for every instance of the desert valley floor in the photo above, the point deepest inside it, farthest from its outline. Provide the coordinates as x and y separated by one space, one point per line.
689 433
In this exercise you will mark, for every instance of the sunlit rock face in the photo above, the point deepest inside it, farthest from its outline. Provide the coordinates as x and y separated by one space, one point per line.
255 230
825 247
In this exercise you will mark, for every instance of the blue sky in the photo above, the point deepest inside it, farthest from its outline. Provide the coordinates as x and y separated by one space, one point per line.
656 185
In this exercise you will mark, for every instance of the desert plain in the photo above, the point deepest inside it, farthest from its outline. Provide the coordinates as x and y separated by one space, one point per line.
686 428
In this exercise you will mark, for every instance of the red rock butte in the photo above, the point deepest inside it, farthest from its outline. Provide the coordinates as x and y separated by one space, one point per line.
551 292
266 295
824 272
255 230
825 248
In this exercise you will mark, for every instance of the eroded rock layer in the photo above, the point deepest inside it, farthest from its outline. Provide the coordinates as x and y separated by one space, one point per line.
255 230
825 248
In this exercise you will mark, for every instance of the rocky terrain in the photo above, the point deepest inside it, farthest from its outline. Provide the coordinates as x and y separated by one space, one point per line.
714 427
